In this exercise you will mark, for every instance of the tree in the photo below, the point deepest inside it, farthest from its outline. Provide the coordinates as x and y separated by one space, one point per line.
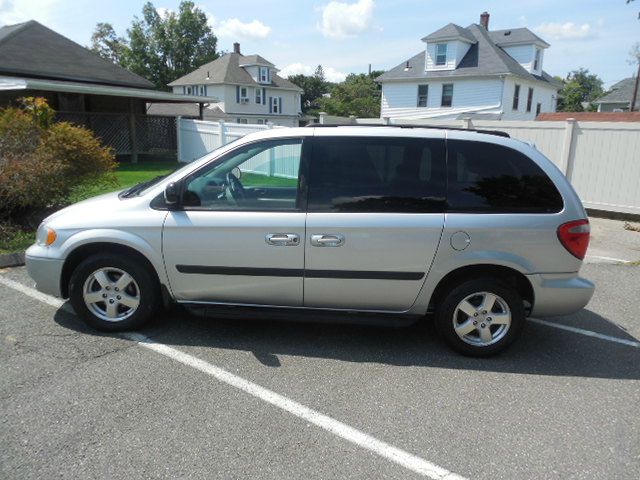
160 48
580 87
313 86
358 95
628 2
107 44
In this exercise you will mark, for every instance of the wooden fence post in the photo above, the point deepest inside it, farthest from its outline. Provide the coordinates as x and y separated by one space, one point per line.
566 165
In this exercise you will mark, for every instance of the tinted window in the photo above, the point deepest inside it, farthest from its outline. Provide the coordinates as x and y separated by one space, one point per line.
491 178
357 174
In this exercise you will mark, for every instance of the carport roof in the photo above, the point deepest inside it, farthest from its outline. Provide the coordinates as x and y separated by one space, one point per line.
16 83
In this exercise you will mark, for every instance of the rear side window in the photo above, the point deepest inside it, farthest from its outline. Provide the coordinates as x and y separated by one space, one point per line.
365 174
484 177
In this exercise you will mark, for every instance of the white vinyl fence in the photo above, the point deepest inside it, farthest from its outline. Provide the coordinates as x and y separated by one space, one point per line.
601 159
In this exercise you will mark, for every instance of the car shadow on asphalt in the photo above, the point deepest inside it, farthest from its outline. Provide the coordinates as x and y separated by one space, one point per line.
541 350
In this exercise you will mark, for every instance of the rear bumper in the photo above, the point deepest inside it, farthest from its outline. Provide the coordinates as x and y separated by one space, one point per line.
46 272
559 294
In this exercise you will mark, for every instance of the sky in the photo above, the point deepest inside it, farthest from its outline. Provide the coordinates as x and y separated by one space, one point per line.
346 36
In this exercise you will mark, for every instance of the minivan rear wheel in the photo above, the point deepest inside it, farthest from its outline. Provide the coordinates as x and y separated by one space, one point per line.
113 292
480 317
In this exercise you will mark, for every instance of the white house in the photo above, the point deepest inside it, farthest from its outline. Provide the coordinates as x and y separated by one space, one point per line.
246 88
471 72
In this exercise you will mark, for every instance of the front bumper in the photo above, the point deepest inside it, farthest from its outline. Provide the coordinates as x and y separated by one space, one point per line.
559 294
46 272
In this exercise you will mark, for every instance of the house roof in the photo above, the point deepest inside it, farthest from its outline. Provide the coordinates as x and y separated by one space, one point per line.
621 92
590 116
514 36
484 58
227 70
448 32
255 60
32 50
211 112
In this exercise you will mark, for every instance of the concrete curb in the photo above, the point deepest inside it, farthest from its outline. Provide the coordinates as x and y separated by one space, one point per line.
12 260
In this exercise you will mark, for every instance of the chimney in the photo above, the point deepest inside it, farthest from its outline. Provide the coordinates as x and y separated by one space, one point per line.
484 20
236 47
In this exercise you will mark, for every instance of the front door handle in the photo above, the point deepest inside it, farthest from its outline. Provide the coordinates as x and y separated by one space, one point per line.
282 239
327 240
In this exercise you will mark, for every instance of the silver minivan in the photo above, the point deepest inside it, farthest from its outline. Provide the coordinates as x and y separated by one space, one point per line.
376 223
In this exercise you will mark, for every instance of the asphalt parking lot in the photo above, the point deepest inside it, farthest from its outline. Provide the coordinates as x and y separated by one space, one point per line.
77 404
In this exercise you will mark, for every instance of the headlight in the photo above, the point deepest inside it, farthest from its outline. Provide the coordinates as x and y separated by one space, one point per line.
45 236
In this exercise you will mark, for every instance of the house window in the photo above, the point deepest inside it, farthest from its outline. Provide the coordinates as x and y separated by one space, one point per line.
538 108
516 97
447 95
264 75
529 99
536 62
260 121
423 91
276 105
241 120
259 95
441 54
243 94
188 90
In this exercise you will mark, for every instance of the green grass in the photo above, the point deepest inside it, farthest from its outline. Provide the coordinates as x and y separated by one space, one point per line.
126 175
16 241
255 179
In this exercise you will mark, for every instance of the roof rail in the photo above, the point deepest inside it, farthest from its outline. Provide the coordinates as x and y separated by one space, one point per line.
498 133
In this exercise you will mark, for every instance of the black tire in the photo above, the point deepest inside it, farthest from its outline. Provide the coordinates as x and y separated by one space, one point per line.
148 291
446 309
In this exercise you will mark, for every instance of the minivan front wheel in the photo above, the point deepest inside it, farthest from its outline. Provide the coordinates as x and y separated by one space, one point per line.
113 292
480 317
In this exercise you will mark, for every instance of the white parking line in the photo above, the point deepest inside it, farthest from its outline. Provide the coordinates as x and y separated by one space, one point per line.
588 333
600 258
385 450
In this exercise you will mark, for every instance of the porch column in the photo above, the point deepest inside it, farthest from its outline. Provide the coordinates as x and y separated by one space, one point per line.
132 131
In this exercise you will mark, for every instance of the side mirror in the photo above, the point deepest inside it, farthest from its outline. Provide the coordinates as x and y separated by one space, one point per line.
171 194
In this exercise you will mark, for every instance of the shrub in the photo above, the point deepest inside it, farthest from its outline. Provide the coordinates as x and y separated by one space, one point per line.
42 161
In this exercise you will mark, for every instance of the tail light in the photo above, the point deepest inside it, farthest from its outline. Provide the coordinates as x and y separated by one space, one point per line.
574 236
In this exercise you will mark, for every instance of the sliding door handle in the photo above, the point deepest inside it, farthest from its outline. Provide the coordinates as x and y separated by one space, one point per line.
282 239
327 240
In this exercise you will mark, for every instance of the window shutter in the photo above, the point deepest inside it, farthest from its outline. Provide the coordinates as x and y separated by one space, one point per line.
280 105
270 104
264 96
237 93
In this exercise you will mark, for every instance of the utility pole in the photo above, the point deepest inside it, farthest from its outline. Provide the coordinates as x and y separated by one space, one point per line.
632 105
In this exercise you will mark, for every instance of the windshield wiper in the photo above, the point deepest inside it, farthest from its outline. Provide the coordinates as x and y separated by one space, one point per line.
131 191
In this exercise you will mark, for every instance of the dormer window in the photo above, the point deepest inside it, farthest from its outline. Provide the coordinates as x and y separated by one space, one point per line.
264 75
536 61
441 54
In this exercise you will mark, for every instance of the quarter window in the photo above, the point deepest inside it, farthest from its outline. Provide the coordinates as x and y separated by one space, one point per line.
423 91
485 177
441 54
356 174
447 95
256 177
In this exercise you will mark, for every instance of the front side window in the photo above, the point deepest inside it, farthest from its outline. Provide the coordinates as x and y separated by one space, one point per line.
257 177
516 97
423 91
447 95
357 174
441 54
490 178
529 99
